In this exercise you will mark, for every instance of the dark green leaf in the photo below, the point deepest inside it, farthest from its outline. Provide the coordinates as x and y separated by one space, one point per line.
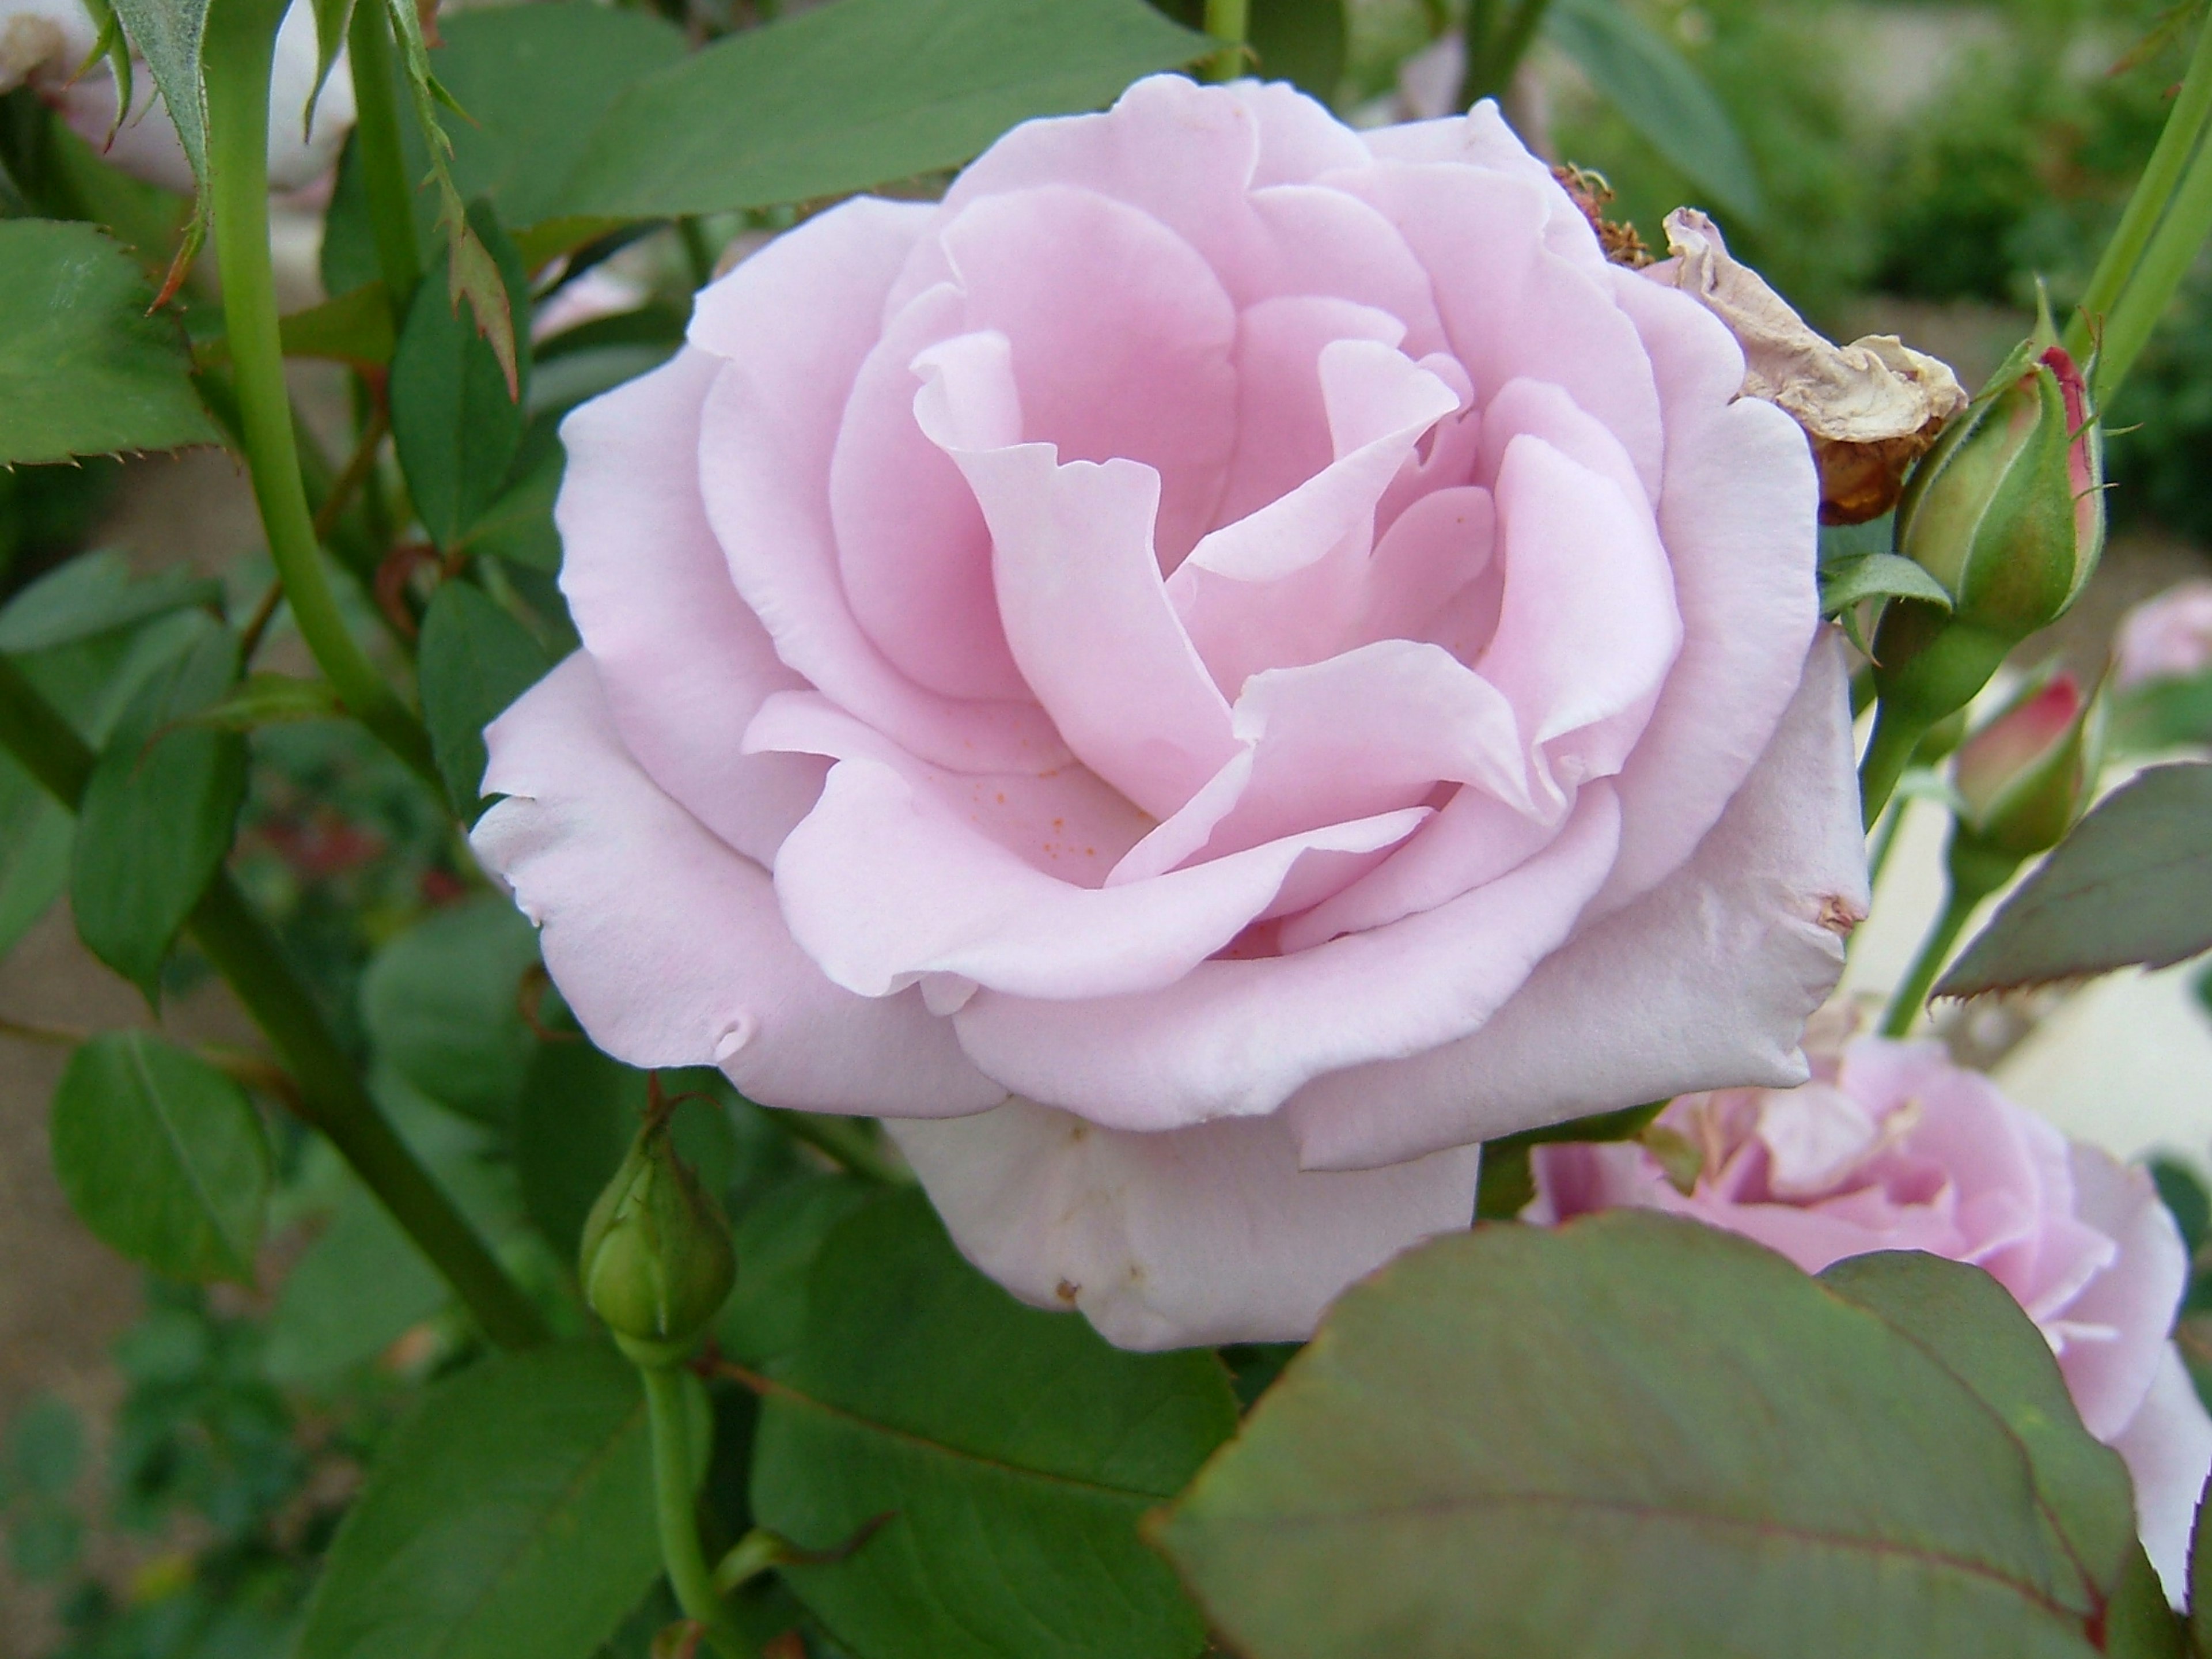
453 421
1016 1449
35 851
169 34
157 818
1630 1436
475 660
356 328
579 1113
847 95
46 1448
777 1241
511 1517
1877 576
1661 96
361 1286
442 1004
162 1156
2181 1189
1301 41
83 369
331 19
270 699
2200 1576
2132 884
1507 1183
519 526
91 594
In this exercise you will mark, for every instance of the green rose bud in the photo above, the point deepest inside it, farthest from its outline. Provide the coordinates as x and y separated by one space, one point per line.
656 1263
2007 514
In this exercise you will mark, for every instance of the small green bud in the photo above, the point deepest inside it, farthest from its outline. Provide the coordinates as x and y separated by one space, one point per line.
2024 777
656 1263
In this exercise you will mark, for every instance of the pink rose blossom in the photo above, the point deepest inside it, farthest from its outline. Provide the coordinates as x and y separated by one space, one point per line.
1895 1148
2168 637
1202 676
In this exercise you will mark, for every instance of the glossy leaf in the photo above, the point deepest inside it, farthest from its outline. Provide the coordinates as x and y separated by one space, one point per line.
442 1004
2132 884
511 1515
83 369
1659 93
358 1288
1016 1449
777 1241
475 660
1877 576
847 95
91 594
1636 1436
157 816
161 1156
453 421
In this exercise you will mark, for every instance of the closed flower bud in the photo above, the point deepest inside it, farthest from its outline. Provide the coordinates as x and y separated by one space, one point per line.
656 1263
2024 778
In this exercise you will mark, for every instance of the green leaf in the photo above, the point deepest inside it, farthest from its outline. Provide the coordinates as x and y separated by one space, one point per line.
1877 576
1661 96
83 369
442 1005
360 1287
1017 1449
453 421
579 1113
267 699
162 1157
169 34
2132 884
519 526
511 1517
1301 41
331 19
355 328
34 849
777 1241
2200 1576
46 1448
475 660
158 816
1630 1436
847 95
91 594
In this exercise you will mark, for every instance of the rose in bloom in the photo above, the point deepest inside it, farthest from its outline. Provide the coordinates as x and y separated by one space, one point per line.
1894 1148
46 42
2165 638
1200 676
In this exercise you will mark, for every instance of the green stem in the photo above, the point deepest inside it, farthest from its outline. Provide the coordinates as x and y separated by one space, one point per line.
1227 20
239 43
1885 839
2166 222
383 158
844 1141
1971 872
330 1092
674 1508
1889 751
1494 54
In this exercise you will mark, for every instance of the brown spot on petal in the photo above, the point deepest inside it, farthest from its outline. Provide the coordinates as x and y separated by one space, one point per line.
1871 408
1068 1290
1839 917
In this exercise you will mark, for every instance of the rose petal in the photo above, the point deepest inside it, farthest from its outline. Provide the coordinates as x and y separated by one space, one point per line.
1205 1234
2167 1448
2136 1297
1482 138
1704 983
668 944
682 663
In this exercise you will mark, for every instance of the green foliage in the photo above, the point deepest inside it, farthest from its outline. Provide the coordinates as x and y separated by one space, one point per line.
852 94
1304 42
162 1156
441 1002
475 659
2131 885
92 594
1636 1435
158 816
83 369
511 1515
1016 1450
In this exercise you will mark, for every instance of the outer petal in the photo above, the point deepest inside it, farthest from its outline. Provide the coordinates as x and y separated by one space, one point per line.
1201 1235
2136 1297
1704 983
1235 1038
1481 138
2168 1451
669 945
681 662
793 324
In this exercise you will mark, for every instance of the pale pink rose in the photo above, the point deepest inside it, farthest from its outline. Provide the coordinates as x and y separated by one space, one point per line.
2168 637
46 43
1202 676
1895 1148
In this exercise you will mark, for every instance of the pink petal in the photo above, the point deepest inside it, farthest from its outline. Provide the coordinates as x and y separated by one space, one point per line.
1299 139
2167 1448
912 549
794 324
1205 1234
1704 983
1737 515
682 663
2136 1297
1080 594
1481 138
1318 241
884 882
1419 581
1235 1038
668 944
